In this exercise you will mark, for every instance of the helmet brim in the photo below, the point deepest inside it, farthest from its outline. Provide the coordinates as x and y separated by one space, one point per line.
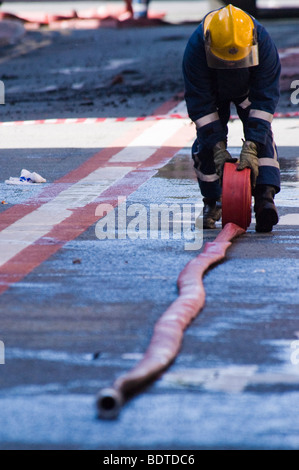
251 59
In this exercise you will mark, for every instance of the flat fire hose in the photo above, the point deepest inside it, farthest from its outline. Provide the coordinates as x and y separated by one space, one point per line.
168 331
236 196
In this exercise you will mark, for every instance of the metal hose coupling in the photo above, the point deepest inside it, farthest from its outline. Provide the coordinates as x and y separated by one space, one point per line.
109 403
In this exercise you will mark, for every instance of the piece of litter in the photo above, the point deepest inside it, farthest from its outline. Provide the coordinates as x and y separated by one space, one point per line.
36 178
4 202
26 177
17 181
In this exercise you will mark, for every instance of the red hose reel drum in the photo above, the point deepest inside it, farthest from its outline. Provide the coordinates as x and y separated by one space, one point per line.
236 196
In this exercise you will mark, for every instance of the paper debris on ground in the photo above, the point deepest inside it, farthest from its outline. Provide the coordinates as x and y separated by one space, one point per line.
26 177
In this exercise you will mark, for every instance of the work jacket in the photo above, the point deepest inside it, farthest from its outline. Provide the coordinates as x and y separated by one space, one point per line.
255 89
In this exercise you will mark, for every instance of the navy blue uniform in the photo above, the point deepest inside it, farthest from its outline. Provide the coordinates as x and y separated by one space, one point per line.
209 94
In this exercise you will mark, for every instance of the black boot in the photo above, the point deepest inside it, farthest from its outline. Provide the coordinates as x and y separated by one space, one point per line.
265 211
211 212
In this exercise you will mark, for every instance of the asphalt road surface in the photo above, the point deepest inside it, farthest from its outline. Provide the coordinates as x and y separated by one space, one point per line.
80 295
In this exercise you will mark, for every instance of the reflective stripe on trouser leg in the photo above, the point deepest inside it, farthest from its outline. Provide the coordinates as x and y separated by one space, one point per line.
204 165
269 169
204 168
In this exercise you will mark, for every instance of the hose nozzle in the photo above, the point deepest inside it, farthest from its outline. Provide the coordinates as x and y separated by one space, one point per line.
109 402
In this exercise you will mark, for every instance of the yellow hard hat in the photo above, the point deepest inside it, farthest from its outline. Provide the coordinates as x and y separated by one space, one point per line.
230 38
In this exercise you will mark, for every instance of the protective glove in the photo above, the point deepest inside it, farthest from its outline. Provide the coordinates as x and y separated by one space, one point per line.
221 155
249 159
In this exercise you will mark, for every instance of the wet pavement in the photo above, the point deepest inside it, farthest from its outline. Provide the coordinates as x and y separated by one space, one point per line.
85 314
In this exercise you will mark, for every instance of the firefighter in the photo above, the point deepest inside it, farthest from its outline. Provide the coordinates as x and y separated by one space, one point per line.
230 58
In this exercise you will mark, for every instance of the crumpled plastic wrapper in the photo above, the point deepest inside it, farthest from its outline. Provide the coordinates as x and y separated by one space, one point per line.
26 177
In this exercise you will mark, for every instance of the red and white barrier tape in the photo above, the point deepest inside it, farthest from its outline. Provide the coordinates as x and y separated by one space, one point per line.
93 120
120 119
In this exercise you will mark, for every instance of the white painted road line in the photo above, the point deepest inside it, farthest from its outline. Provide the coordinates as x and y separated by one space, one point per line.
142 146
146 138
38 223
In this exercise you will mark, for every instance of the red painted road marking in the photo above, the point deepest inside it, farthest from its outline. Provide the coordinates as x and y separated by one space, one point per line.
101 158
81 218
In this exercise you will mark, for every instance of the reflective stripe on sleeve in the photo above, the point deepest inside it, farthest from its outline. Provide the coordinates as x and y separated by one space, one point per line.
203 121
268 162
207 178
257 113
